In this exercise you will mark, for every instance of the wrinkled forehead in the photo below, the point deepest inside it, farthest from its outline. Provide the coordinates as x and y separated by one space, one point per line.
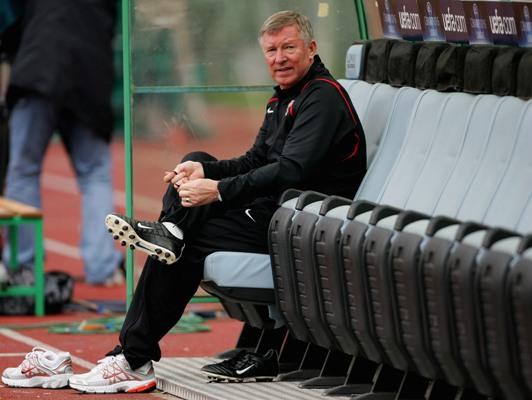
284 33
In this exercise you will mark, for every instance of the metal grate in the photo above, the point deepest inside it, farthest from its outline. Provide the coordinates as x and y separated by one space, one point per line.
181 377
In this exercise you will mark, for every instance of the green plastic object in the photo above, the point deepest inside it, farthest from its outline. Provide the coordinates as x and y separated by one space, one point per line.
189 323
361 18
128 147
37 290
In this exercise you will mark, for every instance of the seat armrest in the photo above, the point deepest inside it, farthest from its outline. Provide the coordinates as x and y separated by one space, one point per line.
526 243
381 212
309 197
495 234
359 207
332 202
468 227
407 217
440 222
288 194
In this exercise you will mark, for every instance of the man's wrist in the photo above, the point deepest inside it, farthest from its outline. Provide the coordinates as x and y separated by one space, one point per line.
218 195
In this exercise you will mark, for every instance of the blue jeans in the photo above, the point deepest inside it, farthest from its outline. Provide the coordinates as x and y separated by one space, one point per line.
32 123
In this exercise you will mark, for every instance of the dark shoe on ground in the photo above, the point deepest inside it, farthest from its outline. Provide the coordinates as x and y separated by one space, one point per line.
244 367
160 240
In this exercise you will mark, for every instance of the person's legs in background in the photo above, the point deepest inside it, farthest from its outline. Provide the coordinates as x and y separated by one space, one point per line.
91 159
32 124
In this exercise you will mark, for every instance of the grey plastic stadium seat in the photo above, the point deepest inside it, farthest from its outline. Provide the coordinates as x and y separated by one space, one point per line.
520 287
427 126
254 270
505 126
495 311
249 270
280 238
508 207
372 104
391 140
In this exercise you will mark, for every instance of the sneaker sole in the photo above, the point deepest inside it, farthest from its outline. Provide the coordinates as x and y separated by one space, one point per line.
126 387
46 382
125 234
222 378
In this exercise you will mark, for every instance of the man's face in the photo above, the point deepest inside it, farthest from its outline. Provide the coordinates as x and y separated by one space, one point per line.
287 56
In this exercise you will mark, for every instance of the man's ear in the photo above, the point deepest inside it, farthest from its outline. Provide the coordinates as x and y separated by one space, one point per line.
313 47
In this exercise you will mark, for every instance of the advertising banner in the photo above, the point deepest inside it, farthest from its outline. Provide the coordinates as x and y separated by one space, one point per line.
431 21
523 20
453 21
502 23
388 14
458 21
409 19
477 22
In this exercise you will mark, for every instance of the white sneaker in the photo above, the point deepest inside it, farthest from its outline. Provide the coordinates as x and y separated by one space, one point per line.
113 374
40 368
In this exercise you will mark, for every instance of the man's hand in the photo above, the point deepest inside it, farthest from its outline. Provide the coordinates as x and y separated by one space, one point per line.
184 172
198 192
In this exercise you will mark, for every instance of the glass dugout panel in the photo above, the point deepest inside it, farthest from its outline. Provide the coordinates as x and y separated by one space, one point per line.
214 42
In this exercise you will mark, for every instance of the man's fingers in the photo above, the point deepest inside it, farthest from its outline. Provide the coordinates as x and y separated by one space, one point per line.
179 179
168 175
180 182
185 196
183 192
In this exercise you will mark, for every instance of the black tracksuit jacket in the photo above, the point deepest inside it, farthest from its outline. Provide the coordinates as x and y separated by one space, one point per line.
311 139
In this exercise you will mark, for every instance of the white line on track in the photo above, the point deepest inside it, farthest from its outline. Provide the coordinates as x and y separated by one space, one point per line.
68 185
12 354
64 249
37 343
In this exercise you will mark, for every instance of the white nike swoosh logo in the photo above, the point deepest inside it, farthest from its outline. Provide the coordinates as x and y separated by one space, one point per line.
247 212
144 226
269 111
243 371
139 244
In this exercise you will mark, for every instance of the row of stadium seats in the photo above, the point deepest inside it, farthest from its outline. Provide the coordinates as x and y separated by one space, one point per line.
420 286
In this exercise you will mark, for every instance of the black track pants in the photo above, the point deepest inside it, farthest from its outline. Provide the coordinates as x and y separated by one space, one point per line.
163 291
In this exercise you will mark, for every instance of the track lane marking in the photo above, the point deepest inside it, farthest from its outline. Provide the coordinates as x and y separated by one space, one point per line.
58 247
19 337
68 185
12 354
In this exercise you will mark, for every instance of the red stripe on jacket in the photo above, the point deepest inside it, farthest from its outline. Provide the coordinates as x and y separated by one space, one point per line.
351 112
